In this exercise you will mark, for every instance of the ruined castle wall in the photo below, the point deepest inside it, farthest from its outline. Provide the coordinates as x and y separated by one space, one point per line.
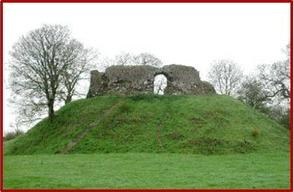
98 84
131 80
181 73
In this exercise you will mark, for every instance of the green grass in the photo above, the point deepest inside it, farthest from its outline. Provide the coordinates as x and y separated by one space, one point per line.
151 142
160 124
143 170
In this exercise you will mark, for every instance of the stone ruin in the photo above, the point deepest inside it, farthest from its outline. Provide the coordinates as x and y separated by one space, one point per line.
139 79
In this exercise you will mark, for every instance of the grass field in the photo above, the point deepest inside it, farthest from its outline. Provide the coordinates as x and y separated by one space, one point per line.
145 170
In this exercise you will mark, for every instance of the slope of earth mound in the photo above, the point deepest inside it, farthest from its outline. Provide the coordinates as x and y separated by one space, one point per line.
160 124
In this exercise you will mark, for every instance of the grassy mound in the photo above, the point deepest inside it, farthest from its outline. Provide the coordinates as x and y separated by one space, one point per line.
173 124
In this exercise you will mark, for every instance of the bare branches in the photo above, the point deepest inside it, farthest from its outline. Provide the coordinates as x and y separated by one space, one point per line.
276 78
147 59
269 90
141 59
81 62
225 75
44 62
124 59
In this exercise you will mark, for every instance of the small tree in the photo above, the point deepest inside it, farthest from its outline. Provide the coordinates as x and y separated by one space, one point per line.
225 75
252 93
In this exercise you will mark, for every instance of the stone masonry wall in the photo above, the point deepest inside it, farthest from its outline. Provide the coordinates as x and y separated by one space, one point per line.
132 80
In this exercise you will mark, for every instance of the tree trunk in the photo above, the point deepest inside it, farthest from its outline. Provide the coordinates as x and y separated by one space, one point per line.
51 109
68 99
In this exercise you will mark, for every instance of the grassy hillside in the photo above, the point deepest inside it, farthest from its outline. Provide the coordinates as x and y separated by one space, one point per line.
173 124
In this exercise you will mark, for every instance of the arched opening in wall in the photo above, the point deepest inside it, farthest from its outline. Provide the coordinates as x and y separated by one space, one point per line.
160 83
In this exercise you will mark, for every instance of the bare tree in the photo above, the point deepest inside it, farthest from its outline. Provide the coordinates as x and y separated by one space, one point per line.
276 78
225 75
39 61
269 90
147 59
77 70
124 59
140 59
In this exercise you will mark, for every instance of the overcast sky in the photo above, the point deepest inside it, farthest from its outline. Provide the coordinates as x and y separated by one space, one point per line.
192 34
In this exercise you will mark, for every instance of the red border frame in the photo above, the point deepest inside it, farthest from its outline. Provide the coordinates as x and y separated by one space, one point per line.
146 1
149 1
291 95
1 97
